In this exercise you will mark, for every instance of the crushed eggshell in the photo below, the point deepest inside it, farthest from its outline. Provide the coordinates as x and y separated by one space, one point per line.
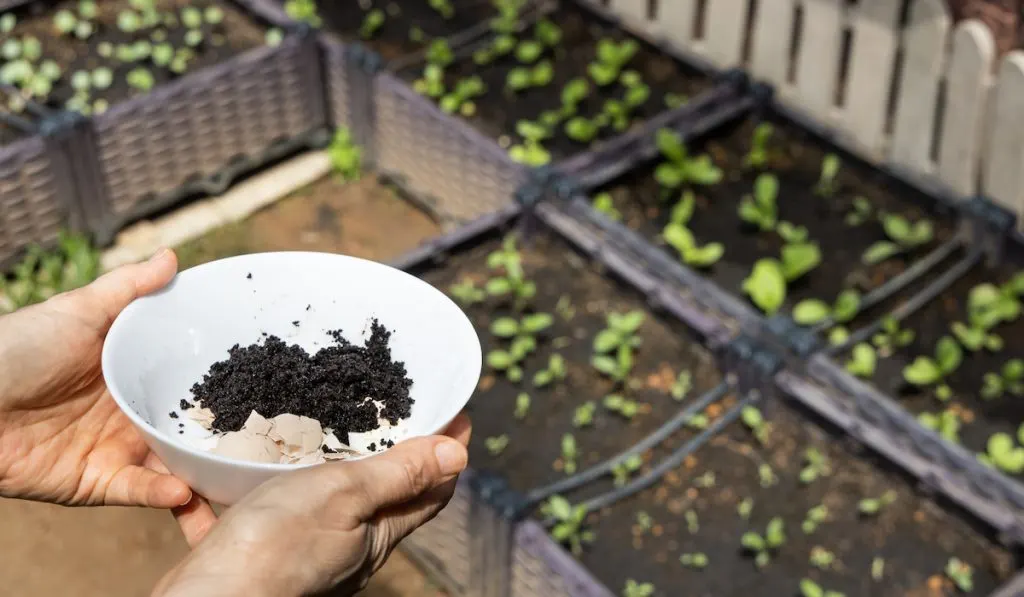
247 445
298 436
258 424
203 416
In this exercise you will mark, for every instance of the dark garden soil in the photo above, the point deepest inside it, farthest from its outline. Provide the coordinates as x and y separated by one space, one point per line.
795 159
912 535
408 26
569 285
979 417
500 109
233 33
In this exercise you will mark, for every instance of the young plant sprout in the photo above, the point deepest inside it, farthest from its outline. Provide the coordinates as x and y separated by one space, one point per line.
443 8
766 476
191 17
529 51
757 157
618 339
675 100
140 78
698 421
827 183
904 237
838 335
530 153
41 274
767 282
573 94
877 569
604 204
611 58
1009 380
946 424
815 516
346 157
872 506
745 508
812 311
860 213
644 521
809 588
564 308
816 465
679 168
522 406
791 233
496 445
193 38
522 78
439 53
7 23
987 307
892 337
637 589
583 416
705 481
822 558
863 360
502 45
763 546
213 15
304 11
555 371
760 209
523 342
622 406
512 283
372 23
695 560
582 130
679 237
547 33
754 421
682 385
925 371
622 471
569 454
65 21
460 98
416 35
692 523
568 529
1004 454
961 574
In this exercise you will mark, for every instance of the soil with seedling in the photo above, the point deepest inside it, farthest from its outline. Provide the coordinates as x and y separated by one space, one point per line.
696 510
404 27
578 298
336 386
499 110
122 57
979 417
795 159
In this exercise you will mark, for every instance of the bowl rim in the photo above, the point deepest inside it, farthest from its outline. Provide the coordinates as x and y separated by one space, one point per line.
106 359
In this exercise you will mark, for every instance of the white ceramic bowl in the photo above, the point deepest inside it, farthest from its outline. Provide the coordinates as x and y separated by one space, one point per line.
163 343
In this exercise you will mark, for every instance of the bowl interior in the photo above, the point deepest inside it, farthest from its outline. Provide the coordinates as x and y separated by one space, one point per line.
163 343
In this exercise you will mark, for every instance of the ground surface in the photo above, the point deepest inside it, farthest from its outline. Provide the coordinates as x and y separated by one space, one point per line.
49 550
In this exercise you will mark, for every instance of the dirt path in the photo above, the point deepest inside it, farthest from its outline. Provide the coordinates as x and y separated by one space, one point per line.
48 550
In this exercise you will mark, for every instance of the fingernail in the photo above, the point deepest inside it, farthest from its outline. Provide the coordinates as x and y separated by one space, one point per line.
451 457
160 254
187 500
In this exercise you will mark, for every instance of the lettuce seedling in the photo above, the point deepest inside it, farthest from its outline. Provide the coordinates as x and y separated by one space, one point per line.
621 339
872 506
827 184
432 82
926 371
809 588
745 508
611 57
582 130
816 465
440 53
946 424
467 293
757 157
443 8
763 546
65 21
861 212
904 236
675 100
754 421
529 153
821 558
569 454
522 406
761 209
604 204
555 371
274 37
7 22
622 471
346 157
372 23
460 98
814 517
812 311
302 10
679 237
696 560
616 113
637 589
892 336
529 51
583 416
623 406
568 529
213 15
522 334
961 574
193 38
547 33
987 307
496 445
679 168
512 280
863 361
1004 454
1009 380
766 284
573 94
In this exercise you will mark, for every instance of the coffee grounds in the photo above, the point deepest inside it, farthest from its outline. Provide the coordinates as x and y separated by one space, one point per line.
331 386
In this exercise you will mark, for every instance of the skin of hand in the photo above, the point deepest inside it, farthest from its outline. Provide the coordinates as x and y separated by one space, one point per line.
321 530
62 437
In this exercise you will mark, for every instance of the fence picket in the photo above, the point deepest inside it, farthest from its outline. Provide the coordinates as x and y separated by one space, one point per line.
633 11
872 61
967 80
1004 157
724 29
772 32
675 20
924 42
817 63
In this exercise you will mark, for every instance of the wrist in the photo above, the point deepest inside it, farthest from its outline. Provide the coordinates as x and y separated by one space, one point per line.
207 574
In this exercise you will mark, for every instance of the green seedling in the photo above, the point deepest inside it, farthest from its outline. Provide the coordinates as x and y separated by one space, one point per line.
622 471
961 574
757 157
1004 454
809 588
863 361
81 80
583 416
522 78
530 153
827 183
860 212
946 424
838 335
675 100
904 237
467 293
568 529
102 78
141 79
822 558
754 421
1009 380
679 168
705 481
42 274
582 130
815 516
637 589
496 445
162 54
877 569
767 282
522 334
522 406
816 465
7 23
766 477
745 508
764 546
502 45
84 30
346 157
988 306
547 33
622 406
604 204
555 371
193 38
529 51
812 311
698 421
695 560
892 336
791 233
416 35
615 114
692 523
644 521
304 11
213 15
925 371
679 237
618 339
191 17
11 50
872 506
760 209
431 84
65 21
573 94
682 385
439 53
460 99
569 454
512 283
611 58
372 23
443 8
128 21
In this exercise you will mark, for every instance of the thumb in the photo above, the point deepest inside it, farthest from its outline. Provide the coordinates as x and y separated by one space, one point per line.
403 473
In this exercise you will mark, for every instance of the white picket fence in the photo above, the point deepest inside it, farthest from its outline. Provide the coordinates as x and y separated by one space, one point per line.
893 78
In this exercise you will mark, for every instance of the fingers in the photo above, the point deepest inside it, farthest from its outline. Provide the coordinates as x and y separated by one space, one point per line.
109 294
401 521
195 518
461 429
401 474
140 486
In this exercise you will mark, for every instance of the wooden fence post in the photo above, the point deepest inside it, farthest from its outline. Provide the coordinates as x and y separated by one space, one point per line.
1003 174
871 67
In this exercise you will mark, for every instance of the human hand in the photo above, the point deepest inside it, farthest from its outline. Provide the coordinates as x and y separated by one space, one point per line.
318 529
62 437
